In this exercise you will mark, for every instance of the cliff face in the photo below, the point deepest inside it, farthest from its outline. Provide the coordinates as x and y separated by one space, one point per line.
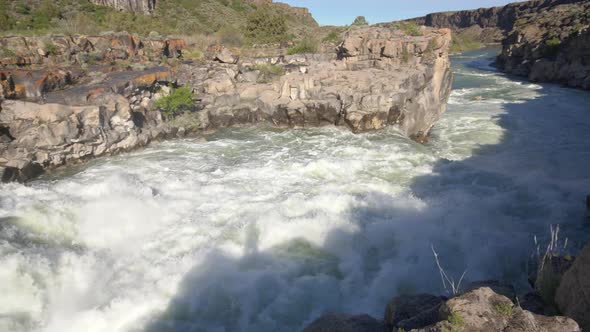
378 78
542 40
138 6
500 20
551 46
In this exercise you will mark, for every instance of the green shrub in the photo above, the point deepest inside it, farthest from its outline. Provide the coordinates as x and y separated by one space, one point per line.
179 101
332 37
266 26
553 42
230 36
268 72
411 29
193 54
307 45
22 8
552 46
51 48
6 21
360 21
456 323
504 309
5 51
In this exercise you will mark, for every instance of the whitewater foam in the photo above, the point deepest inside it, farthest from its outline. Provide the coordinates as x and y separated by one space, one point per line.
264 229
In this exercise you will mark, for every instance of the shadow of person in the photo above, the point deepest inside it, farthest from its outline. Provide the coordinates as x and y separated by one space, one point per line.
480 214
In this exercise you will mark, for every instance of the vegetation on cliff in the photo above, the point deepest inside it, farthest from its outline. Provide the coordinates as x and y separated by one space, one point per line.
228 18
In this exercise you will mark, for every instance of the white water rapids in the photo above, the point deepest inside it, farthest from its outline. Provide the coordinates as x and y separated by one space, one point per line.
264 229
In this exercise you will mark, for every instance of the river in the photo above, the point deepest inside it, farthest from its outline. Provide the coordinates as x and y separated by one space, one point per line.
265 229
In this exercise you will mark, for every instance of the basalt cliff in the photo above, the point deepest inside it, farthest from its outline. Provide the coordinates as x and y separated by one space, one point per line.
542 40
55 115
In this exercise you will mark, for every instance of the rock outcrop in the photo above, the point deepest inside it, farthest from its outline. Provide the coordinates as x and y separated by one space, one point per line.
573 295
82 123
551 46
380 77
493 24
138 6
377 77
79 49
478 310
542 40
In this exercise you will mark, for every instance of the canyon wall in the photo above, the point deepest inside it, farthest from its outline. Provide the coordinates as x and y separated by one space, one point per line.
542 40
55 116
551 46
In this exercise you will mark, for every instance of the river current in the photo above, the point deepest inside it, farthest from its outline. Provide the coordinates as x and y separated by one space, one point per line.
265 229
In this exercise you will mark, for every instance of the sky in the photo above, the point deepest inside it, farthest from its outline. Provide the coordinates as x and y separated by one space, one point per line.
341 12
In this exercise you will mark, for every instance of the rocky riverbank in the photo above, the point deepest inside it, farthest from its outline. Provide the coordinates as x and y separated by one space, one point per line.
551 46
487 306
542 40
53 116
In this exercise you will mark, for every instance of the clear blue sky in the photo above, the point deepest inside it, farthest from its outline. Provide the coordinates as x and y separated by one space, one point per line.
340 12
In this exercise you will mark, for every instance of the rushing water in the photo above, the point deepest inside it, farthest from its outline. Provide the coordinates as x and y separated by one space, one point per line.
264 230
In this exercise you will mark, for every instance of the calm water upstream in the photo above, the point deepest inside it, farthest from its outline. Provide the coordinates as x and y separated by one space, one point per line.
265 229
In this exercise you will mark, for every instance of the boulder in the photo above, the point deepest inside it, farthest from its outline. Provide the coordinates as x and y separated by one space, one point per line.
573 294
225 55
483 310
497 286
339 322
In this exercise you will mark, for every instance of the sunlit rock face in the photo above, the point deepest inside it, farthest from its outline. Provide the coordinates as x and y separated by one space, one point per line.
378 77
138 6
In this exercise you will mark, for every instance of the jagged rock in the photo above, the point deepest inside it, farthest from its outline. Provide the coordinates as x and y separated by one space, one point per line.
407 85
225 55
412 311
497 286
479 310
338 322
573 294
82 49
482 310
44 136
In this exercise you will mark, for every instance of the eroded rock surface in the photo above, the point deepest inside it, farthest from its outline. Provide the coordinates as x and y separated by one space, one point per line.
477 310
380 77
551 46
377 77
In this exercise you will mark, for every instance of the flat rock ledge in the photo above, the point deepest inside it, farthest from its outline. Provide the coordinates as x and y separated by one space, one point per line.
377 77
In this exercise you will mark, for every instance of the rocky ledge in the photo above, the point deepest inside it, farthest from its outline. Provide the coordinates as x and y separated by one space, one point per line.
560 285
376 77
